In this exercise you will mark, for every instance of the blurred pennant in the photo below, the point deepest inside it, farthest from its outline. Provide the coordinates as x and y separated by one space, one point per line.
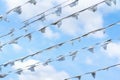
73 3
108 2
114 1
32 2
29 36
42 18
75 15
32 68
73 54
61 58
48 61
78 77
18 10
42 29
93 74
3 75
12 63
58 11
58 23
14 41
19 72
93 8
91 49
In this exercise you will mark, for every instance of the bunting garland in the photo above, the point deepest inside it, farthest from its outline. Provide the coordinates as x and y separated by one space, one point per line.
93 73
91 49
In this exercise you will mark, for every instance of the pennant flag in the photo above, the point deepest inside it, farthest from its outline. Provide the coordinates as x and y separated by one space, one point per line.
5 65
14 41
48 61
42 29
61 58
73 3
114 1
93 8
32 68
91 49
19 72
29 36
4 17
18 10
93 74
42 18
105 46
60 44
32 2
3 75
12 63
58 11
75 15
79 77
73 54
58 23
0 68
108 2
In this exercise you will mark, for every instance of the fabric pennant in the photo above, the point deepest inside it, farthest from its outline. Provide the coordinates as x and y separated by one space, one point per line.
75 16
18 10
78 77
105 46
58 23
73 54
91 49
19 72
108 2
32 2
73 3
114 1
29 36
93 8
3 75
61 58
48 61
12 63
43 30
14 41
58 11
93 74
32 68
42 18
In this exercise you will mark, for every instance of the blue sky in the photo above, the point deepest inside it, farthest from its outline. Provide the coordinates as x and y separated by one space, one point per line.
85 61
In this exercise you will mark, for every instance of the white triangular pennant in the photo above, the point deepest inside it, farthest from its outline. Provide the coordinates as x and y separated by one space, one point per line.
93 74
18 10
91 49
32 68
42 18
48 61
3 75
75 16
29 36
73 3
61 58
73 54
108 2
58 23
93 8
32 2
19 72
58 11
43 29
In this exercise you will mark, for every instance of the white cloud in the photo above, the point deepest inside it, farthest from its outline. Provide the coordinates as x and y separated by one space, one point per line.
41 72
16 47
113 50
50 34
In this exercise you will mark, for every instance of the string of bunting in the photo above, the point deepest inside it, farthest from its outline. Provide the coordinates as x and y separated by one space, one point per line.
59 58
59 22
58 11
93 73
75 15
29 36
11 32
17 9
91 49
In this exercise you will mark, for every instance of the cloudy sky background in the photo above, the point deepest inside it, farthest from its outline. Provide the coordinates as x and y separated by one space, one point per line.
70 28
